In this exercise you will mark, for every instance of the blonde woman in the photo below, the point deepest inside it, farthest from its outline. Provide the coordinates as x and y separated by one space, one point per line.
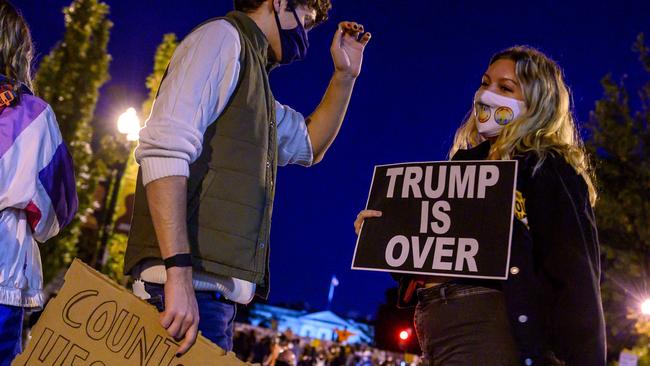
37 188
549 311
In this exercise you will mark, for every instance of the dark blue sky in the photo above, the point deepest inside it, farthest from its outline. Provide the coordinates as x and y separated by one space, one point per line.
421 71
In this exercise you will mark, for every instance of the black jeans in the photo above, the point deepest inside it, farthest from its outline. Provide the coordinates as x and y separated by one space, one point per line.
463 325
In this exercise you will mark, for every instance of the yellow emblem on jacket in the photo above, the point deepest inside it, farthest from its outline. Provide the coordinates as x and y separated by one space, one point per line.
520 208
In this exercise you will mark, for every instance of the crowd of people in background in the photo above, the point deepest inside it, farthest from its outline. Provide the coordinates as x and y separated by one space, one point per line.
271 348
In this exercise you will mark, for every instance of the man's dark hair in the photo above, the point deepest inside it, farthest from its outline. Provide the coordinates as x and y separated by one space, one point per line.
322 7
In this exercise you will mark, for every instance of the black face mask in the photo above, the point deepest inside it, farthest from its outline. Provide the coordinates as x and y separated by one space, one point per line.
294 41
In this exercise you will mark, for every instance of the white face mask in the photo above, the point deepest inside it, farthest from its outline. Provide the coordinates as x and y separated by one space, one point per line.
494 111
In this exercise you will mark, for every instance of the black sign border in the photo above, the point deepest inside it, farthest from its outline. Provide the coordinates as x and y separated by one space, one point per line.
512 217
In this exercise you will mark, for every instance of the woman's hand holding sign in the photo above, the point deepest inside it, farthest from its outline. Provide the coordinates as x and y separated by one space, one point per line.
362 216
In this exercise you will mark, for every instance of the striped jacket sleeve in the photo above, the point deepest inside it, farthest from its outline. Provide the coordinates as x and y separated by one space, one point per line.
36 171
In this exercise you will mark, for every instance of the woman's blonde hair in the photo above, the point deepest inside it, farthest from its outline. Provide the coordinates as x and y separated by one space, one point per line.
16 49
546 126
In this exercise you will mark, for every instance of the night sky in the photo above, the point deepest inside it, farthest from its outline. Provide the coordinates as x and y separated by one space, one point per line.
420 73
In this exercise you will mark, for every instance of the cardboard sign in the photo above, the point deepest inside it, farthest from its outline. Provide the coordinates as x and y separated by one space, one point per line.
451 218
95 322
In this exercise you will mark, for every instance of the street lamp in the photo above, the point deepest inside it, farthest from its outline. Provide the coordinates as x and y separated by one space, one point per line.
129 124
645 307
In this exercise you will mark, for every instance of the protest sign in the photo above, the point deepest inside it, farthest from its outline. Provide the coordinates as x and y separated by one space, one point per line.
94 322
451 218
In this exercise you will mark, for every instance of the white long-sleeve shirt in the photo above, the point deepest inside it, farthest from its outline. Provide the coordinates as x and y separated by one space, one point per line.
202 76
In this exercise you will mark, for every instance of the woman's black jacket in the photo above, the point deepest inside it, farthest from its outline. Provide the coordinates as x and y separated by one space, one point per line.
553 289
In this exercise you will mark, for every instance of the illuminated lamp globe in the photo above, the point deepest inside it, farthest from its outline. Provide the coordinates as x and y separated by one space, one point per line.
129 124
645 307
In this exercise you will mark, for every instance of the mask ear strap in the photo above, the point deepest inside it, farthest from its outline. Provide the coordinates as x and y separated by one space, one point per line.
277 13
295 14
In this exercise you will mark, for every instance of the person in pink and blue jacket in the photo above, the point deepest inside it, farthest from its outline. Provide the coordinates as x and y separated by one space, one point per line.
37 186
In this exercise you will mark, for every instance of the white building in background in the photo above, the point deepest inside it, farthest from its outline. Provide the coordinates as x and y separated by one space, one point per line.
320 325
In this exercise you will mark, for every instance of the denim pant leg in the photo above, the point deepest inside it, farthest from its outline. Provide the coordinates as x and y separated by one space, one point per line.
11 330
217 316
462 325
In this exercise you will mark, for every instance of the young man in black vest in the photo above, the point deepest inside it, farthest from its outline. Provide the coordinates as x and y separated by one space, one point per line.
208 157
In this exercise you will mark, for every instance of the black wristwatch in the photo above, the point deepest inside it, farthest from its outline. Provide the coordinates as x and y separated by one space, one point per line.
178 260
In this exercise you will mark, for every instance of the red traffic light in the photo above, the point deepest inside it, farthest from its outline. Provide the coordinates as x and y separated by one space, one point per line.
404 335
